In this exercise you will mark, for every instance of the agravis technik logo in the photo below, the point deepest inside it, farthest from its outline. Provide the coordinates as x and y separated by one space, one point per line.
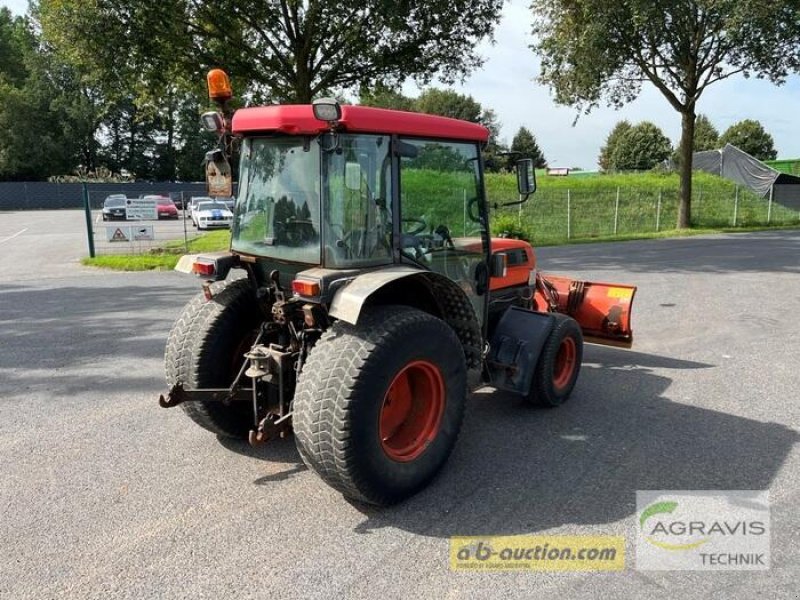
703 530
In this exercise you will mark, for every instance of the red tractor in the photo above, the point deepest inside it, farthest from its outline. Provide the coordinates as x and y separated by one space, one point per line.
370 297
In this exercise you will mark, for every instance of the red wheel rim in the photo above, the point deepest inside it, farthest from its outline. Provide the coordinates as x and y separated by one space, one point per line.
412 410
566 360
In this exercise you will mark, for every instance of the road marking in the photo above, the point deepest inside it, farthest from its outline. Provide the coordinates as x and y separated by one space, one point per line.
11 237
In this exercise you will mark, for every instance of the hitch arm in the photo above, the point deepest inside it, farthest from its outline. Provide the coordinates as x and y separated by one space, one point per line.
178 395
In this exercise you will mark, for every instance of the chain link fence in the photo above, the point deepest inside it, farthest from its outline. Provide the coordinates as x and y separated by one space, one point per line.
557 216
114 233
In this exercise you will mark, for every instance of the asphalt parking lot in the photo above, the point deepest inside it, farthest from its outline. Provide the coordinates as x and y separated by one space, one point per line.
105 495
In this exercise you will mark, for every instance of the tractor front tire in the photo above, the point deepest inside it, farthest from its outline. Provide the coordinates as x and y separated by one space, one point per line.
379 405
205 349
559 364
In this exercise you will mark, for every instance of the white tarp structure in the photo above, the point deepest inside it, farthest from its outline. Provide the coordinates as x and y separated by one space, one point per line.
736 165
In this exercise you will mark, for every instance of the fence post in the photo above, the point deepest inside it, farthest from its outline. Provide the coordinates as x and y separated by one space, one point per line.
569 224
616 213
183 215
736 206
465 212
658 212
87 209
769 206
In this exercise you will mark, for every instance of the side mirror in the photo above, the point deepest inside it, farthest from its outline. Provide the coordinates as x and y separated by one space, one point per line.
526 177
498 267
212 121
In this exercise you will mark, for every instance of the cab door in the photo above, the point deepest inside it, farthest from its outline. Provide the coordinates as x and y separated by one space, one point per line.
441 203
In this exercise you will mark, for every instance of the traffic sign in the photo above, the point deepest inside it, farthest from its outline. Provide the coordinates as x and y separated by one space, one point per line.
118 234
143 233
143 209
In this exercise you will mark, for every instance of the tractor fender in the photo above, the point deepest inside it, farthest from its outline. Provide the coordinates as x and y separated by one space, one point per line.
432 292
515 348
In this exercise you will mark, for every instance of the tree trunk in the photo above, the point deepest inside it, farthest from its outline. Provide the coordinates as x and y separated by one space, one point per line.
302 82
686 150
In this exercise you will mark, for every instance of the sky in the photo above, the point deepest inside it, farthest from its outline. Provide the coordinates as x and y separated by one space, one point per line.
506 83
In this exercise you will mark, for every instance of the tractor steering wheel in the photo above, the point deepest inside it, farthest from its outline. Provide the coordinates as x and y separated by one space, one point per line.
473 203
421 225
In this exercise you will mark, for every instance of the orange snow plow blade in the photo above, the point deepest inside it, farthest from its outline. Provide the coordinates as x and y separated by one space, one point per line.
603 310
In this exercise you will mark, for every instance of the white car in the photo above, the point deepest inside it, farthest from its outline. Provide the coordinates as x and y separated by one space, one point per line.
207 215
195 200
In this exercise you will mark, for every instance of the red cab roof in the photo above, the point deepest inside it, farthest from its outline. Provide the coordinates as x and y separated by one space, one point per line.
298 119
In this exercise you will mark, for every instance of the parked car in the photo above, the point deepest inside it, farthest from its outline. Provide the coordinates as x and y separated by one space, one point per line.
229 201
197 200
207 215
165 207
114 207
177 199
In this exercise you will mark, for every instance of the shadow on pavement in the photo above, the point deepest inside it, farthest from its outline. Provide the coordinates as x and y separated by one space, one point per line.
279 450
519 470
58 327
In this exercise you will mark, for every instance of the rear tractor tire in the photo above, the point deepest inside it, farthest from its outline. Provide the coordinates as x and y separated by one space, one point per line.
559 364
205 349
379 405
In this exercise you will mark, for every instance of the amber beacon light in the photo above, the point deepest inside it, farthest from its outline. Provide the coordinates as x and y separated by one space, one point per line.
219 85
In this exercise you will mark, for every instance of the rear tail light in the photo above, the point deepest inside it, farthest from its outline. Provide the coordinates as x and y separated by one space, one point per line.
205 269
305 288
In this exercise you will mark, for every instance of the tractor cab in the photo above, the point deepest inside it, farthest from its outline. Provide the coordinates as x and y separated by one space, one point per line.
361 190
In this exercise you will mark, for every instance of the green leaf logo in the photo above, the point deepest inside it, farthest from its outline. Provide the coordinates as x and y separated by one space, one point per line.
666 507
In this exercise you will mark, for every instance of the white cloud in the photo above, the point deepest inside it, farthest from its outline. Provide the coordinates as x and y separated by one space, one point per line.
506 84
17 7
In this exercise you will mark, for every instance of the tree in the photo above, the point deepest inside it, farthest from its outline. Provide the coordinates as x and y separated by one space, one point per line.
605 160
449 103
524 145
46 119
640 148
15 42
706 136
750 136
381 96
286 50
605 50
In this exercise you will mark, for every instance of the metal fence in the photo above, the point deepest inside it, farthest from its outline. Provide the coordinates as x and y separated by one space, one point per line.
553 216
119 235
24 195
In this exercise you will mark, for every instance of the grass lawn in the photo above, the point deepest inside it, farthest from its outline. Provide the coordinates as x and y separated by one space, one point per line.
162 259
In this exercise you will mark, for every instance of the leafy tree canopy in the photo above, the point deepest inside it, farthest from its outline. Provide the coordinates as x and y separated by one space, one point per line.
282 50
640 148
44 114
750 136
605 160
706 136
446 103
381 96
